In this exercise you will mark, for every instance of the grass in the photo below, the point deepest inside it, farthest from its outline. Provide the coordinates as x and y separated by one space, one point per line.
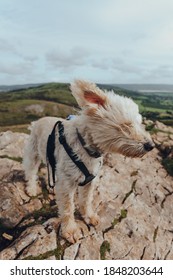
58 252
104 248
18 159
20 112
56 100
168 165
117 220
21 128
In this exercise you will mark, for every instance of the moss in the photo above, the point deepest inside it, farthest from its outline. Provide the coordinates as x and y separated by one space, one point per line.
104 248
168 165
44 189
18 159
41 256
123 214
117 220
153 130
57 253
149 127
15 128
46 212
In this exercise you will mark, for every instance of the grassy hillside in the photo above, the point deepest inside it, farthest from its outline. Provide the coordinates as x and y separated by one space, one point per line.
21 106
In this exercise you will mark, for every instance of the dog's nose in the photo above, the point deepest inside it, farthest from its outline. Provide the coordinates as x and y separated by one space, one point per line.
148 146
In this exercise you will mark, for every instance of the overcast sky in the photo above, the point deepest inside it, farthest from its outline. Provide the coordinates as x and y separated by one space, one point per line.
106 41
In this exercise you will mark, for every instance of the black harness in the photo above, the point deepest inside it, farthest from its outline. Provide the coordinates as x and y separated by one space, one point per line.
62 139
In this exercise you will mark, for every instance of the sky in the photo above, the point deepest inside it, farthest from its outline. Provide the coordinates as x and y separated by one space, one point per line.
104 41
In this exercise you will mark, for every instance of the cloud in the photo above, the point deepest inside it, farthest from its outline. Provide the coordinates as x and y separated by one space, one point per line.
6 46
67 60
161 72
127 39
116 64
13 69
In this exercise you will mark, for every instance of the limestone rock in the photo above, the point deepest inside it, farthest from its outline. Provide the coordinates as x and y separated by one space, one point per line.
71 252
33 242
133 198
14 202
12 144
90 247
11 210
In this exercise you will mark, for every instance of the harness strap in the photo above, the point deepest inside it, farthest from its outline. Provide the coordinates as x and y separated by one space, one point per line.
90 151
51 158
88 176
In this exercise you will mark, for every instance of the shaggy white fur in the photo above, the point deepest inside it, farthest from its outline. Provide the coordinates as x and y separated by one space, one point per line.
108 122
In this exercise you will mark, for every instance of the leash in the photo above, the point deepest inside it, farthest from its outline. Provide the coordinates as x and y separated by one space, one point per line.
62 139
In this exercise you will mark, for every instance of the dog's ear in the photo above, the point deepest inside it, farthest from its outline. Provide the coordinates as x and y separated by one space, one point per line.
87 94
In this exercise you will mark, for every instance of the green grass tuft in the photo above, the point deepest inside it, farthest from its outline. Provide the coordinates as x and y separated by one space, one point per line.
104 248
168 165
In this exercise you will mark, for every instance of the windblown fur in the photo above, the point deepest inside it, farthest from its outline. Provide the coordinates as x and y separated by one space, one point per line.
110 124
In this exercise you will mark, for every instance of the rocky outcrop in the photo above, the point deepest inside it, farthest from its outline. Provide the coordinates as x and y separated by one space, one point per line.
12 144
133 197
163 138
14 202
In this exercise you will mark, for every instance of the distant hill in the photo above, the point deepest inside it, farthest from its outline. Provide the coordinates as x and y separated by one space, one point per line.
25 103
147 87
131 87
16 87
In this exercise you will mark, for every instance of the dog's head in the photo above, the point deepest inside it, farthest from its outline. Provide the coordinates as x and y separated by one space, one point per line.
113 121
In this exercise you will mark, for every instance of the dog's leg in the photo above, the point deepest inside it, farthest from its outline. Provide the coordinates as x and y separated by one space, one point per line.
65 201
31 163
86 205
31 177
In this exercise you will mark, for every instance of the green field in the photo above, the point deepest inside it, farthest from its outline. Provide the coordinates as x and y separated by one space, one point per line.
19 107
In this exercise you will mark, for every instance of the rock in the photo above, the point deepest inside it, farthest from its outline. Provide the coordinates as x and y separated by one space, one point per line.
133 198
33 242
90 247
71 252
35 109
7 236
51 258
34 205
163 127
7 166
12 144
11 210
14 203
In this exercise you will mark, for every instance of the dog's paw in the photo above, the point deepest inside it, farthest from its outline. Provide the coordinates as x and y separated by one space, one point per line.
30 192
92 220
33 190
71 234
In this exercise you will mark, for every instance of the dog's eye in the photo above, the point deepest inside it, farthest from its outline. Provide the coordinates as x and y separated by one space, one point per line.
128 125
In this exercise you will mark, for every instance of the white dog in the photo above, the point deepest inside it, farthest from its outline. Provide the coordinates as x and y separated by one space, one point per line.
107 123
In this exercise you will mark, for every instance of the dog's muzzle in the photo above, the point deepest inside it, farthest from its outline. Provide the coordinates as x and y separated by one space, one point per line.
148 146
